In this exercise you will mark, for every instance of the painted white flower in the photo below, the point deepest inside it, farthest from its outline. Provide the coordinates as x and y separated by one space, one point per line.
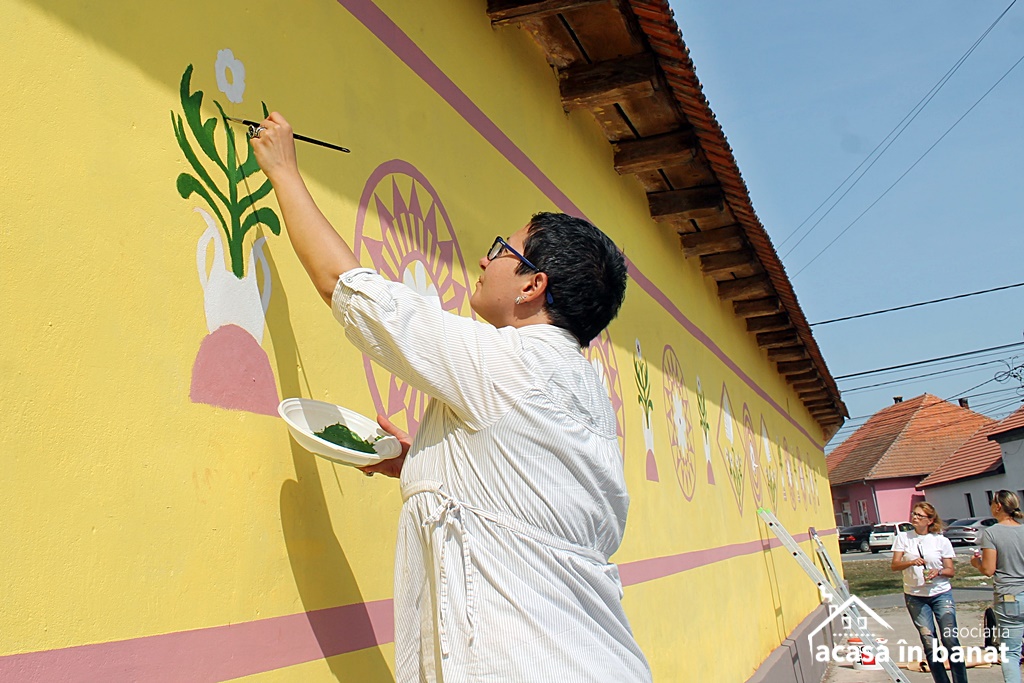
234 85
727 418
767 445
677 417
416 278
639 354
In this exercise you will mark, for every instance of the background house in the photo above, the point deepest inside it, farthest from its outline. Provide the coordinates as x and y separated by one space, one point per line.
158 521
874 473
991 460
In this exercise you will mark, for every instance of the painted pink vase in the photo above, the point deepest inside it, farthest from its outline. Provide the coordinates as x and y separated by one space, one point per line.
231 369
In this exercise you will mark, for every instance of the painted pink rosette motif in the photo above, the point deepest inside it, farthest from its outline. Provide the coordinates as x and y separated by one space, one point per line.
402 226
752 456
601 355
768 455
680 424
730 445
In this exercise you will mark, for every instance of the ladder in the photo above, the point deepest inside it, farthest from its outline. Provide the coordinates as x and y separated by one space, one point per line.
831 587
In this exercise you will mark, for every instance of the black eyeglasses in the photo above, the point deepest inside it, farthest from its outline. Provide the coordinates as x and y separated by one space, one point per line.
501 245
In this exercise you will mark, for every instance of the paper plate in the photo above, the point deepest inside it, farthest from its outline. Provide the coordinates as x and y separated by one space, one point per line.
305 416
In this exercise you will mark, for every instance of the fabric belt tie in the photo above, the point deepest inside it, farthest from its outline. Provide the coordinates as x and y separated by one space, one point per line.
451 514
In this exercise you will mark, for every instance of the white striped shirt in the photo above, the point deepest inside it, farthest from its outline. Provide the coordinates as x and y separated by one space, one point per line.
514 497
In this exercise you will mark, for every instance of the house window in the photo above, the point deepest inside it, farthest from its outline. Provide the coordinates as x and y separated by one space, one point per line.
988 494
862 510
970 505
847 518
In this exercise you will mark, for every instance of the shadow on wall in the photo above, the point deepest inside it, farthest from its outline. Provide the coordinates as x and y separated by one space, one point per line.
322 572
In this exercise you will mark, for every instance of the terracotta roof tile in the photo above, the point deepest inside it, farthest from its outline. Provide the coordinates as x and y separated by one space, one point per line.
979 455
1014 420
906 439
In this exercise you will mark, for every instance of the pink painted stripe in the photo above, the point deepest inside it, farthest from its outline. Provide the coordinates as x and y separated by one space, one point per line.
642 571
403 47
211 654
221 653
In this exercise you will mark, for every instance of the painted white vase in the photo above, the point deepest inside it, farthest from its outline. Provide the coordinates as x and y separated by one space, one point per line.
228 300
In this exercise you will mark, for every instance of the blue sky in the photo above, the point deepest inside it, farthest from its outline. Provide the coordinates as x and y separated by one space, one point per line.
804 92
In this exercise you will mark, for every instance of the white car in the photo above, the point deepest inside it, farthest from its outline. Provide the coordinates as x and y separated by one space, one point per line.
884 535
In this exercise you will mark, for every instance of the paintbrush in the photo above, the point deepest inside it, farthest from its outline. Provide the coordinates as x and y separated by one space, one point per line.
253 126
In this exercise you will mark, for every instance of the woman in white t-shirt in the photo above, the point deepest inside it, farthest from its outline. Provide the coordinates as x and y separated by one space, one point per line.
925 557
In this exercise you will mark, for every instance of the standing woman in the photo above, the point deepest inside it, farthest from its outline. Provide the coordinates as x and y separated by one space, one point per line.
1002 556
925 557
513 487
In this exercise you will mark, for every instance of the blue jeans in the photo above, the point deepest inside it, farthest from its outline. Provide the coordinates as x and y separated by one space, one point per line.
1010 622
926 613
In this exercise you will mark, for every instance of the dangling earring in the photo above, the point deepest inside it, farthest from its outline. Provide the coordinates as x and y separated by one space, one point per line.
519 300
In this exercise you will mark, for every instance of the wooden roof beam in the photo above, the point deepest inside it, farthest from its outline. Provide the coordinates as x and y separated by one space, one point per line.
745 287
821 402
727 262
691 203
659 151
787 353
753 307
779 338
808 386
792 367
768 323
516 11
729 238
605 83
802 376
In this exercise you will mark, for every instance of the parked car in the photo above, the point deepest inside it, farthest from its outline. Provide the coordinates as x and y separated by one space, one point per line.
967 531
855 538
883 535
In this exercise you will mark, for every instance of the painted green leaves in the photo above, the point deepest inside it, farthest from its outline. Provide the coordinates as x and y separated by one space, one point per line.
234 206
643 384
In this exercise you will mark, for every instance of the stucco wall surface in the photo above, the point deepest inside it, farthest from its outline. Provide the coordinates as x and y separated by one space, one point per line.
158 521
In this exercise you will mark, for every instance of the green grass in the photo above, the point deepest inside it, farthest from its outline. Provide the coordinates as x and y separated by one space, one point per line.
873 577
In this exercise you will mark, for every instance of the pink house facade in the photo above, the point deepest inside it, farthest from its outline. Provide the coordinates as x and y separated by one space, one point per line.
874 474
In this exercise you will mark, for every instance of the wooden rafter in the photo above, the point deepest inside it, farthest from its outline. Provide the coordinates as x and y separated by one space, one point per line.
605 83
767 323
691 203
729 238
795 352
753 307
778 338
792 367
728 262
744 287
653 153
516 11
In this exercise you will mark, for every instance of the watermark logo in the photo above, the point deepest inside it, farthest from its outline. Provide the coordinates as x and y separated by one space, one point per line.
853 623
859 641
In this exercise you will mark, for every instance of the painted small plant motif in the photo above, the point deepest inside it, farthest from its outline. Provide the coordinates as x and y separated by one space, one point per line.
771 469
732 445
643 385
705 427
234 208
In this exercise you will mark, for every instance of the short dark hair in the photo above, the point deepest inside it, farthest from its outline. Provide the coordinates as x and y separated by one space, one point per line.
586 272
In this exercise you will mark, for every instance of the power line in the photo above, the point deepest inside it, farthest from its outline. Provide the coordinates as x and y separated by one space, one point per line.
930 360
920 303
918 108
911 168
915 378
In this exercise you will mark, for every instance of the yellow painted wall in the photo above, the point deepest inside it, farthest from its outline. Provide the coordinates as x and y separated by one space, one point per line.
130 511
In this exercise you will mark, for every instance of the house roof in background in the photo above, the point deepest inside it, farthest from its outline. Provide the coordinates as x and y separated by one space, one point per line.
906 439
979 455
1014 420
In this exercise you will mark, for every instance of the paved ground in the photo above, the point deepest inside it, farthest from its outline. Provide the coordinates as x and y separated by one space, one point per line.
970 606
